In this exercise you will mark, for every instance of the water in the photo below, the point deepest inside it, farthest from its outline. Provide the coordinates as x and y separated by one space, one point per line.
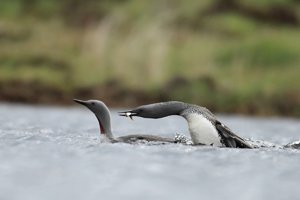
55 153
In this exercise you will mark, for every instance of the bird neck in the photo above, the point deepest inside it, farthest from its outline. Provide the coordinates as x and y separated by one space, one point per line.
105 126
165 109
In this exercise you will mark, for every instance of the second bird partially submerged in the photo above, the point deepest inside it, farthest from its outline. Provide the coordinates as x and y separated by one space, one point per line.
204 127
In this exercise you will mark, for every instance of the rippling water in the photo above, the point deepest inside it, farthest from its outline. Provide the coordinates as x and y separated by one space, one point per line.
54 153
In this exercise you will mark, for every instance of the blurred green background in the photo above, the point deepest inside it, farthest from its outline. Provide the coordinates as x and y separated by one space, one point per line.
228 55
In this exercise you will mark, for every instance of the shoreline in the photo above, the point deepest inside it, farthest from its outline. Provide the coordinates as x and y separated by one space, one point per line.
114 94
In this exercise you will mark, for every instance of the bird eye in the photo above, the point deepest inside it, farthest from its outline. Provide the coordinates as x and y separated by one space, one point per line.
93 103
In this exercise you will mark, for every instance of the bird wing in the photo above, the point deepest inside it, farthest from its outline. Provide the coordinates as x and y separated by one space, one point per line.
147 138
229 139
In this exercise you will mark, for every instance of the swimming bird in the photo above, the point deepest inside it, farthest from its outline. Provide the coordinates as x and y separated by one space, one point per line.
103 116
204 127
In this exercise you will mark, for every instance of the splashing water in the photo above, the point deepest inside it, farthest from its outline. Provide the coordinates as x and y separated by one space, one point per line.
55 153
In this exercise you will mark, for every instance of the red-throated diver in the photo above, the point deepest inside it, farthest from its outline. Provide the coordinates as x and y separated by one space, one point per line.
103 115
204 127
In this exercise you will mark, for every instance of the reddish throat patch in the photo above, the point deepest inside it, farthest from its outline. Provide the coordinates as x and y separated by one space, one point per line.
102 131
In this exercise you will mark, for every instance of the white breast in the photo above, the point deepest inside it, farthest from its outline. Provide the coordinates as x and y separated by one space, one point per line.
202 130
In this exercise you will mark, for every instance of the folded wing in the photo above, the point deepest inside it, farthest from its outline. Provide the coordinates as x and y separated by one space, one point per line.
229 139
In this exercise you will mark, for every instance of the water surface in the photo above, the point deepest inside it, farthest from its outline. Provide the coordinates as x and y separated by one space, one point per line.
55 153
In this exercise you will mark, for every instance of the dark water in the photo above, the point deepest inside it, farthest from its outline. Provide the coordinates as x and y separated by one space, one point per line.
55 153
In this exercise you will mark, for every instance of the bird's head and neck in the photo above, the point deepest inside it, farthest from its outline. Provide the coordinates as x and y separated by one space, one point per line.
156 110
102 114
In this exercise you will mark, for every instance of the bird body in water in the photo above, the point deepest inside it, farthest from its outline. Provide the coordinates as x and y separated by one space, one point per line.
204 127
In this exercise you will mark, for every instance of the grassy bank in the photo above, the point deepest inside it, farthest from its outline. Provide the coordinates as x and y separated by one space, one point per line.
239 56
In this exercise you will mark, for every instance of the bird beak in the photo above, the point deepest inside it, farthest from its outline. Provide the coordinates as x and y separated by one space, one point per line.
129 114
80 102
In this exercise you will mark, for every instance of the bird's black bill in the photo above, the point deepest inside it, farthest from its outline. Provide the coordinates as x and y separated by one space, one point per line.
80 101
129 114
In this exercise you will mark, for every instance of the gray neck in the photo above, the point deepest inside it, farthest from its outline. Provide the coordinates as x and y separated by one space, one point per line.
105 124
164 109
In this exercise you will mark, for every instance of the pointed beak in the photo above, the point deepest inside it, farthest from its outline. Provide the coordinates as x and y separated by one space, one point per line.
129 114
80 102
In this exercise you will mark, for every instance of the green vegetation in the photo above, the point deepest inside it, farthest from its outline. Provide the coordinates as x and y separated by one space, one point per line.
231 56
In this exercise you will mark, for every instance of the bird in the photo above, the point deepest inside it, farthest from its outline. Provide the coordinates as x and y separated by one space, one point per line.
204 127
102 114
